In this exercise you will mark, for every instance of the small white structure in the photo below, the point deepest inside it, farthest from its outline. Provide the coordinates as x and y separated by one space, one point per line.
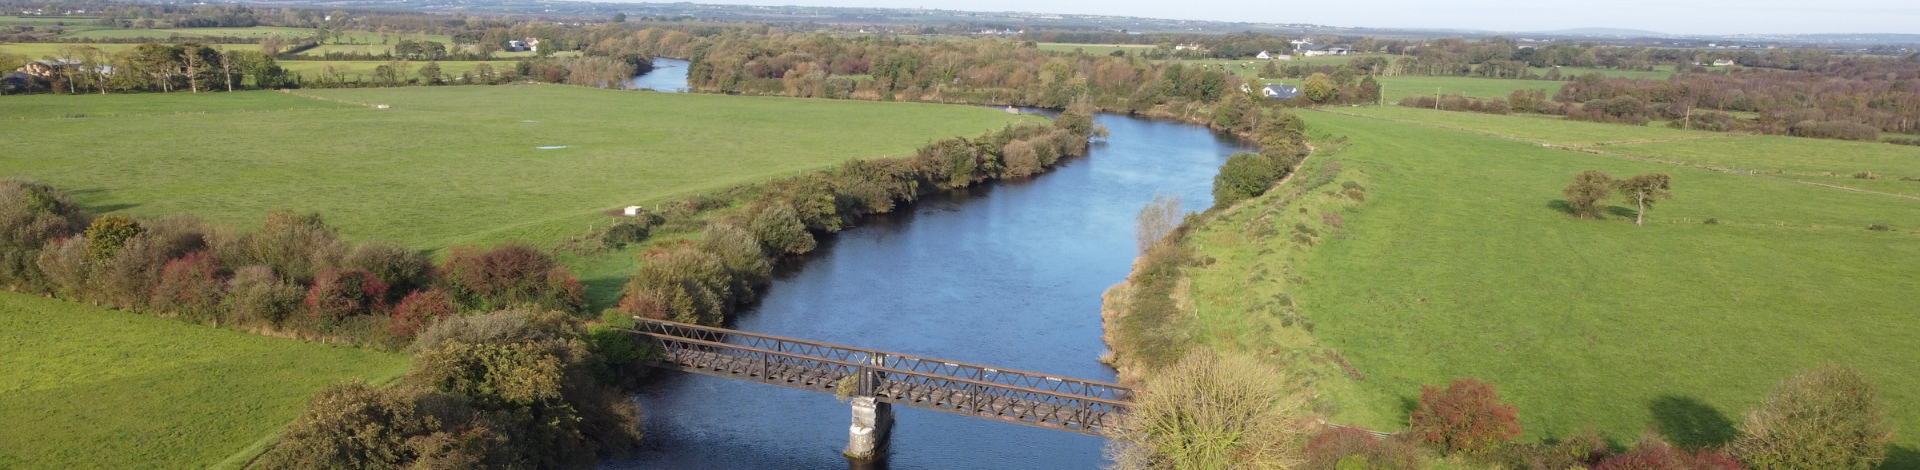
1263 55
383 106
633 211
1722 62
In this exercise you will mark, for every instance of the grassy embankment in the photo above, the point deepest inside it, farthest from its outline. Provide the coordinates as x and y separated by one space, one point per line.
1461 262
88 387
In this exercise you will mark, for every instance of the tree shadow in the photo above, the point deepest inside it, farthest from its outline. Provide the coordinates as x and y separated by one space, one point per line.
1690 423
1618 211
105 208
1901 457
1561 205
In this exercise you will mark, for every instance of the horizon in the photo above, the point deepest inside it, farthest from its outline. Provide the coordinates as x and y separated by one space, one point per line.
1704 18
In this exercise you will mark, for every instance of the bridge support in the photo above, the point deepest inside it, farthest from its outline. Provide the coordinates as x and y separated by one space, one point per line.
872 420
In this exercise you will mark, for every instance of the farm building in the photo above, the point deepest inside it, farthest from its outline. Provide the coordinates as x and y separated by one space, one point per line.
1280 92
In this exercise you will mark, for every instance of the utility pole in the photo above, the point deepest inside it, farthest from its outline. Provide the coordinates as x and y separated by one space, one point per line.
1436 98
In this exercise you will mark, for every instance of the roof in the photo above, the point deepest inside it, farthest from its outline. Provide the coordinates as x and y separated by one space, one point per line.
1280 91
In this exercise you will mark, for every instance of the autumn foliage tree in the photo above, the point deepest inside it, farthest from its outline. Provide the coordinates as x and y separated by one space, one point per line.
418 310
337 295
1643 191
1588 189
510 274
1466 416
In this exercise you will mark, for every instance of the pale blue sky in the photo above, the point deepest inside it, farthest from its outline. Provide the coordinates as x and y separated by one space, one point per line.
1669 16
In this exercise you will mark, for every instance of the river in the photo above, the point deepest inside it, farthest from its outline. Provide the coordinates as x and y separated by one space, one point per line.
1009 274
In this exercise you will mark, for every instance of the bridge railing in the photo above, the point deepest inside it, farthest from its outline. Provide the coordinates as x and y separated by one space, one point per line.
1007 394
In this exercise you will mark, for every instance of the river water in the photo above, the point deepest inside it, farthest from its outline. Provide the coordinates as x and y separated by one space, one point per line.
1009 275
668 75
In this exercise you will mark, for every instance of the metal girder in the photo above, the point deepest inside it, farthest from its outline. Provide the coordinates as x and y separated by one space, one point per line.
1022 397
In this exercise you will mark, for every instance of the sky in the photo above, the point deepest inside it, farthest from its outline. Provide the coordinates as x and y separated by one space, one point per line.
1668 16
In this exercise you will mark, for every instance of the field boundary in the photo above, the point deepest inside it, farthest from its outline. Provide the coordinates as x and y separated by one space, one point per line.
1627 156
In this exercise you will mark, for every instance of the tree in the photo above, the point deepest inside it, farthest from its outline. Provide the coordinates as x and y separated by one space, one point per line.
1830 417
1245 175
107 234
619 17
430 73
1157 220
1588 189
1467 416
1643 191
1211 411
1318 87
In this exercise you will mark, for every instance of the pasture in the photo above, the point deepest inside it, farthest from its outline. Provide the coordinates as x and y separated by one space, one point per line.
446 165
363 69
89 387
162 34
1463 262
42 50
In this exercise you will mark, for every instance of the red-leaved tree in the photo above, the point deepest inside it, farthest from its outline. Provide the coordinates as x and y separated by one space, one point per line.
1467 416
420 309
510 274
340 294
190 286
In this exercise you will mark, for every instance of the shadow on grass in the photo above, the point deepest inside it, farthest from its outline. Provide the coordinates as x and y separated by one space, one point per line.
1901 457
1618 211
1690 423
1561 205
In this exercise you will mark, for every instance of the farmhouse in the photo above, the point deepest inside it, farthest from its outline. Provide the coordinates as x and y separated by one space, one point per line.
49 67
530 44
1263 55
1316 50
1723 62
1280 92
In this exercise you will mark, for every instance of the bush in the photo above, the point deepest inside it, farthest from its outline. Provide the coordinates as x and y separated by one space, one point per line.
1588 189
777 226
682 284
1652 453
297 246
1467 416
401 269
1022 161
339 294
255 294
1335 444
32 215
1244 176
190 286
1844 130
108 234
1830 417
499 327
507 275
744 257
876 185
1582 450
67 269
352 425
1212 411
419 310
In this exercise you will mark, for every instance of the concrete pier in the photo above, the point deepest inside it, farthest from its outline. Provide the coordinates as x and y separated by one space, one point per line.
868 435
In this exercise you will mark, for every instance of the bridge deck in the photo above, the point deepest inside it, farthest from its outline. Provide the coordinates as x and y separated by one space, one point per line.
972 390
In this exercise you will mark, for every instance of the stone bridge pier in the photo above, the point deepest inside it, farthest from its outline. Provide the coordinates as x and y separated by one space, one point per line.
872 420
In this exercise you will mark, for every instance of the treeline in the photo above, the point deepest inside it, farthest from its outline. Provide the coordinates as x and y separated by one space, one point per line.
158 67
729 266
1855 99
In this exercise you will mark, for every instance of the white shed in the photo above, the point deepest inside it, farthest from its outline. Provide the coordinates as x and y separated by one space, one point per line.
633 211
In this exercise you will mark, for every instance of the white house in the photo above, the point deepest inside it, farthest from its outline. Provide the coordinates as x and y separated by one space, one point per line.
1279 92
1723 62
1263 55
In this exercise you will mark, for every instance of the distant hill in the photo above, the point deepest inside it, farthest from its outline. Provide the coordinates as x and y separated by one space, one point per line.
1614 32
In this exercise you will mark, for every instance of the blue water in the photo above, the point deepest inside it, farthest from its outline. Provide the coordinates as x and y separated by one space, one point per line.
668 75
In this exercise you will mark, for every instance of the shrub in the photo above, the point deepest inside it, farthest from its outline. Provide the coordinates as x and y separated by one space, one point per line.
949 163
190 286
1022 161
32 215
1582 450
352 425
108 234
498 327
297 246
682 284
1334 444
340 294
507 275
401 269
255 294
1244 176
1830 417
1467 416
876 185
1588 189
777 226
420 309
1652 453
1213 411
743 256
1844 130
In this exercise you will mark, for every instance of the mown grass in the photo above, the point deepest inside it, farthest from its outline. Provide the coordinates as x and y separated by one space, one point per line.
87 387
147 105
1824 161
451 165
1462 263
1551 129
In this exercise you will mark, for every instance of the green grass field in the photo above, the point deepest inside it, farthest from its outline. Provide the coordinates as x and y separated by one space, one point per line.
39 50
134 33
88 387
1460 264
448 165
364 68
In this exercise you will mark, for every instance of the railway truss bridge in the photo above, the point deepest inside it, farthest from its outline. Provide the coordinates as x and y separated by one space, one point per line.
876 380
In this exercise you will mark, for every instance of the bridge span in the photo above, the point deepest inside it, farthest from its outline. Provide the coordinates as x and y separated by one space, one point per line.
874 380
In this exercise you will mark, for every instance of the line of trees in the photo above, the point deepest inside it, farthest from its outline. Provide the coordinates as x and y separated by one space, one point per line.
192 67
707 281
1852 99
